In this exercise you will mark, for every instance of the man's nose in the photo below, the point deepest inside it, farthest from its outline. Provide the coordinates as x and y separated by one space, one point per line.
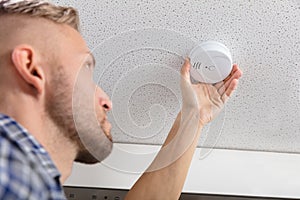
105 103
104 99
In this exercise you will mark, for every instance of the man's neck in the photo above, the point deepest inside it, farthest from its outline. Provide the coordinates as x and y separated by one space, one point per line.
61 150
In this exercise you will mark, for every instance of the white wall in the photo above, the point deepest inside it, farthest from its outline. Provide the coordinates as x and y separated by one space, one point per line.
224 172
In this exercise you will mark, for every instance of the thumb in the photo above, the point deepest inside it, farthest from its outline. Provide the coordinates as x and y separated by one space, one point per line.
189 98
185 70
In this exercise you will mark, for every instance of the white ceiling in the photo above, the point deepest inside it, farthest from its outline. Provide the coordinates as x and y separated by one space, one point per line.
139 46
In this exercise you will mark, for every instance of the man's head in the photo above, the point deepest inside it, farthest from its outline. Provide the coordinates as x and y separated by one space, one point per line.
44 58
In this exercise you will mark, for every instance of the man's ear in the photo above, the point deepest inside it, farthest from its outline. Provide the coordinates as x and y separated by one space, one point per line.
25 60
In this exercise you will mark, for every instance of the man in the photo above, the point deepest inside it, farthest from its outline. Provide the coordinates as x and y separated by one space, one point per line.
44 66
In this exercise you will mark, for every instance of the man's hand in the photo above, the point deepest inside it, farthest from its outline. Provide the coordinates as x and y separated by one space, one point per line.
208 99
164 179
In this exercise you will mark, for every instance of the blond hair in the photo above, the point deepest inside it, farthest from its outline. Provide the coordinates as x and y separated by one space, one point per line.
41 9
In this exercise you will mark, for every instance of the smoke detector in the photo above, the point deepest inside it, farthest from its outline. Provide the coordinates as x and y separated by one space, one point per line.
211 62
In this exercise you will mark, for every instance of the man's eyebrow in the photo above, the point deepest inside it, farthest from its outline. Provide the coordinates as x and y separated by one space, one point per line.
93 58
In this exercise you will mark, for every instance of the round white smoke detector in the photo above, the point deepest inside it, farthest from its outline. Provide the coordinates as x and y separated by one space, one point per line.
211 62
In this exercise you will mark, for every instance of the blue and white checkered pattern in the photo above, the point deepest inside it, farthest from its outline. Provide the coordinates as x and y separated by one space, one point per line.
26 169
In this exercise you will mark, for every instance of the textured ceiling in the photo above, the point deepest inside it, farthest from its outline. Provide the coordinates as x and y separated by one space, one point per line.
139 47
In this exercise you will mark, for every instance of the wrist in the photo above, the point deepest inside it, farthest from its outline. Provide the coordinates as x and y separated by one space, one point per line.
188 113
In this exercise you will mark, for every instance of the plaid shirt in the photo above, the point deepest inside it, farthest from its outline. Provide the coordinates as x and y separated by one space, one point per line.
26 169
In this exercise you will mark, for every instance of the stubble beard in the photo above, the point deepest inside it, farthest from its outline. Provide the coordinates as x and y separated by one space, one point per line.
77 123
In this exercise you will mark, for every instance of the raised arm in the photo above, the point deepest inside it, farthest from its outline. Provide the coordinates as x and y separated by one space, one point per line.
165 177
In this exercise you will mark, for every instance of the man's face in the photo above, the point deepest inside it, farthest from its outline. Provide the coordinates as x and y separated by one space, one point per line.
75 104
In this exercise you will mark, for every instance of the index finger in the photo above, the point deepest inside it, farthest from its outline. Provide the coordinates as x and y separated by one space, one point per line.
236 73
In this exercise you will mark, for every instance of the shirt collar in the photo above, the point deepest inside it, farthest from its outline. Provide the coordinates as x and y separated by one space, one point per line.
28 143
